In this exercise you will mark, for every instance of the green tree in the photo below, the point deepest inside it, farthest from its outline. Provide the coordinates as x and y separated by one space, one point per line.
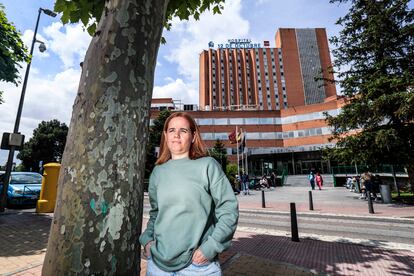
374 58
219 153
12 51
46 145
155 134
231 172
100 190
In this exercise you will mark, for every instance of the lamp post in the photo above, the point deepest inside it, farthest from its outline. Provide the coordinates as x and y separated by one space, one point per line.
42 48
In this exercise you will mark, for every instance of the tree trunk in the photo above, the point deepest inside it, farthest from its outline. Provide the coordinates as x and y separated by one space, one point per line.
410 172
98 213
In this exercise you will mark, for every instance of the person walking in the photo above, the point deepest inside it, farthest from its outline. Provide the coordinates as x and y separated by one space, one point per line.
245 181
367 177
319 180
273 178
311 178
186 186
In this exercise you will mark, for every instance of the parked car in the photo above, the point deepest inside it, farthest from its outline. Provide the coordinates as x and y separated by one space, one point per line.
24 188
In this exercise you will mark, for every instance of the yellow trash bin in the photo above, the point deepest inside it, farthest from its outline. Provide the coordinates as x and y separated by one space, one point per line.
47 200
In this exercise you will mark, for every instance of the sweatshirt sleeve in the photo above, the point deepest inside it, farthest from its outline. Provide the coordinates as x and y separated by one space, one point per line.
148 234
226 213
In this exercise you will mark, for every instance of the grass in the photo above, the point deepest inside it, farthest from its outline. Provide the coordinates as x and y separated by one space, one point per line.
405 197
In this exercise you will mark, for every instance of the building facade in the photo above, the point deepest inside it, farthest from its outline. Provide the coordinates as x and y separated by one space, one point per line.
289 139
263 78
277 96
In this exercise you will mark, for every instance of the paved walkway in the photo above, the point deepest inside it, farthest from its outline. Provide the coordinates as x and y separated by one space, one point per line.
24 234
329 200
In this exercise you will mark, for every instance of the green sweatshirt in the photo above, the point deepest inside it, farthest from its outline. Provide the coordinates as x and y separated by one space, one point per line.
192 206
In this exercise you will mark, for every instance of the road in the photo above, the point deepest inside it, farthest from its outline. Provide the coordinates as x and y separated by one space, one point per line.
339 216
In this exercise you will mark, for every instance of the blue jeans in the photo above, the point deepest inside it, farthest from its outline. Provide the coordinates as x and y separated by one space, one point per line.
210 268
246 187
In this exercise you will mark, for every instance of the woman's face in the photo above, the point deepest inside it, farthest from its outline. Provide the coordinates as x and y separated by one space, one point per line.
179 137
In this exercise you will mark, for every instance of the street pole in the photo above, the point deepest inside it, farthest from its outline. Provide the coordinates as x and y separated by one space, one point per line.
9 165
237 151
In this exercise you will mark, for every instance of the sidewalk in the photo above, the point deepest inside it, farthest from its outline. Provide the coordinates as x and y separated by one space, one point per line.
24 234
329 200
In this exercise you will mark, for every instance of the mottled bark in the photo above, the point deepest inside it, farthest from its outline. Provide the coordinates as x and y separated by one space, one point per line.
98 214
410 172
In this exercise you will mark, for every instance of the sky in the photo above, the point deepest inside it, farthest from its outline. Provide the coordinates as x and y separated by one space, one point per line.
55 73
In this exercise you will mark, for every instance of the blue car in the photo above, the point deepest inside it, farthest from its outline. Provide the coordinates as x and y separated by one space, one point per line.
24 188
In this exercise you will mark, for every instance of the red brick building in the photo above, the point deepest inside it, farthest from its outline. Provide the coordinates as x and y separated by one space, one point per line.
272 94
267 78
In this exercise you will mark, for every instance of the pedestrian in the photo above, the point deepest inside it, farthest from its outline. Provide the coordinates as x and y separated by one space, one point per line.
354 183
194 211
319 180
376 183
264 183
366 177
236 185
245 184
273 178
348 183
311 178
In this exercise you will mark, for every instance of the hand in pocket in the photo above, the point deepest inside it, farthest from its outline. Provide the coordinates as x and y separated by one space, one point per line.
198 257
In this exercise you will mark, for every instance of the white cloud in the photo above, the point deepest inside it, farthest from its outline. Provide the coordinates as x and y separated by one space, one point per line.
196 35
69 42
178 90
45 99
27 39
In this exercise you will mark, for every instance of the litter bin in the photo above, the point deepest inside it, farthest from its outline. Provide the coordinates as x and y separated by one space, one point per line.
385 190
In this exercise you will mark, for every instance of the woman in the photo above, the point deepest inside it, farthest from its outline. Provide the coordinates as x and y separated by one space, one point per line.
311 178
319 180
194 211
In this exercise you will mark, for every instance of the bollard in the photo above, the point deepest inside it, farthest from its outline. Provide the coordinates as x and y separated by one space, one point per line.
310 201
294 223
370 204
263 200
47 200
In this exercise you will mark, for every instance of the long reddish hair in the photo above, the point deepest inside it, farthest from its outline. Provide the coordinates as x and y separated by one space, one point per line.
197 148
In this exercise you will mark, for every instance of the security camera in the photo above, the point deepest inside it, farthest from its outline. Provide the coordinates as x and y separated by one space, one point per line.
42 47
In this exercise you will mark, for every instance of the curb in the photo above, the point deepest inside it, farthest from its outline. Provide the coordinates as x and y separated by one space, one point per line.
334 239
319 214
23 269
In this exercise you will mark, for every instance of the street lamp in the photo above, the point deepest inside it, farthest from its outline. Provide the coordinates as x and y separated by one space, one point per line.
16 135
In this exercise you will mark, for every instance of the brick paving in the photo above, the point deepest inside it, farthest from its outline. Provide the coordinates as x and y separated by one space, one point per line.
326 257
23 240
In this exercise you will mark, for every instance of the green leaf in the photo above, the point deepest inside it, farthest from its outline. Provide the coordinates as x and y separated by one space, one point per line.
92 29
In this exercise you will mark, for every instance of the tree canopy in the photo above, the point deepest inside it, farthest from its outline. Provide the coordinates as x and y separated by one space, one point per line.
374 62
12 51
90 12
218 152
46 145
